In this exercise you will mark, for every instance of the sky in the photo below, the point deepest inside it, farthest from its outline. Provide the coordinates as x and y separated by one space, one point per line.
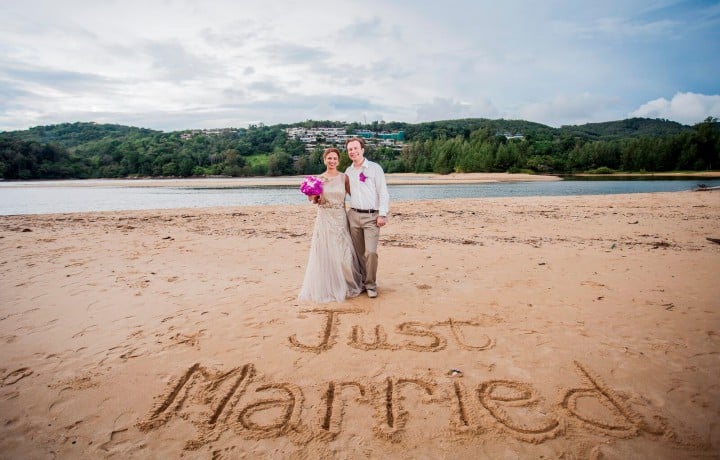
189 64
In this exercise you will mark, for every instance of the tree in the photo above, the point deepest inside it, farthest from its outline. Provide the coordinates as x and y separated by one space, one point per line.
83 150
707 140
279 164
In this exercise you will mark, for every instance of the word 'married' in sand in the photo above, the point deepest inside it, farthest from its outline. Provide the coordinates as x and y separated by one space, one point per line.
252 407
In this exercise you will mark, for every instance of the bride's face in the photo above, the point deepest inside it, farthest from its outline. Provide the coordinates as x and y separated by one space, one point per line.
331 160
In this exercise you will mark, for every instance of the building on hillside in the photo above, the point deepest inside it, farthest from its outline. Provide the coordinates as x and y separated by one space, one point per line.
510 136
207 132
336 137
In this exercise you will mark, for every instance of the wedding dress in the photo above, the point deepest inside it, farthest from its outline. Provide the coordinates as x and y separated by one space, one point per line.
333 269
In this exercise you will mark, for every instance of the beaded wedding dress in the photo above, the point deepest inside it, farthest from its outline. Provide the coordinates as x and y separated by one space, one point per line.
333 270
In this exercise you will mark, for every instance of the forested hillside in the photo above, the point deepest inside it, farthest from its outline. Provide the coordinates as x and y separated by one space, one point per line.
74 134
632 127
91 150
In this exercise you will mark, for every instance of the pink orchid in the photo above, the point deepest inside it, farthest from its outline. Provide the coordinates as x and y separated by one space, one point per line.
311 186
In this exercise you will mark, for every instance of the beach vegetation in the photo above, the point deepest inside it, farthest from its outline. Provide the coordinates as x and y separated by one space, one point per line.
602 170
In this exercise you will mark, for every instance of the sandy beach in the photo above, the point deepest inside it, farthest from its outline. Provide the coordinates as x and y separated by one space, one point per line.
230 182
544 327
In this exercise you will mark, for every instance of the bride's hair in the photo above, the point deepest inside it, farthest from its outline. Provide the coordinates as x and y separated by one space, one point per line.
331 150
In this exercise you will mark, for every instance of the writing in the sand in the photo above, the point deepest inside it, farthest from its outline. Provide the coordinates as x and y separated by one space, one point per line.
420 336
252 407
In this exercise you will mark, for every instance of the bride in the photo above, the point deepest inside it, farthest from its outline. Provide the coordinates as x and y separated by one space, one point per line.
333 269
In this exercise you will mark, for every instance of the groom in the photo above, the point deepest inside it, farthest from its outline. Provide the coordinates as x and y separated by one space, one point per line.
369 203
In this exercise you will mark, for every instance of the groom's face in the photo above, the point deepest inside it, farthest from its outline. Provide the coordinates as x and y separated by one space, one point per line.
355 152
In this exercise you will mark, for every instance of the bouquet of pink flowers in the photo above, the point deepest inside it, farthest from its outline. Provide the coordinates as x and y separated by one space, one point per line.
311 186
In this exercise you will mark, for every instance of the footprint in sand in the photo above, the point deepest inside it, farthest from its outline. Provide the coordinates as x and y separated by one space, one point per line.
15 376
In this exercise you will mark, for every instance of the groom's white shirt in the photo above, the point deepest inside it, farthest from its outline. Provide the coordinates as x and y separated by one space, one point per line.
371 193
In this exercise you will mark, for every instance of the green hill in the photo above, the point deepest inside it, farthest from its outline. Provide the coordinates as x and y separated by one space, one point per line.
629 128
74 134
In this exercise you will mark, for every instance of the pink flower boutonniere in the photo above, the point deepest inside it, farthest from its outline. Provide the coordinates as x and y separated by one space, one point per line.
362 175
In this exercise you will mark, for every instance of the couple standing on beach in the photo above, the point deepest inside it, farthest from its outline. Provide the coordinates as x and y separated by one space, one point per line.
343 256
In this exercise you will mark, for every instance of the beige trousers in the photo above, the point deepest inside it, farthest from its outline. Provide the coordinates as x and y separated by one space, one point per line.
365 235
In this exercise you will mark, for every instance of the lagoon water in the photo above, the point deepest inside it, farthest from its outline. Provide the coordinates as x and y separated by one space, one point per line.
18 198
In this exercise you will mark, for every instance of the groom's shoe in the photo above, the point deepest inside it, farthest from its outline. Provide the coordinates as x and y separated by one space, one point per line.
372 293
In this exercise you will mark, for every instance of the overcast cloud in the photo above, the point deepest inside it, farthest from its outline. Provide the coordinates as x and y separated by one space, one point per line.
173 65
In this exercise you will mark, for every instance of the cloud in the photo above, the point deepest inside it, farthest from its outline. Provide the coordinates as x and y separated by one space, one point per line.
569 109
174 62
295 54
60 80
266 88
241 34
362 29
178 64
686 108
447 109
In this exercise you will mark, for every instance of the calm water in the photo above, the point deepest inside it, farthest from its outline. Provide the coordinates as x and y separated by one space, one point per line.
16 198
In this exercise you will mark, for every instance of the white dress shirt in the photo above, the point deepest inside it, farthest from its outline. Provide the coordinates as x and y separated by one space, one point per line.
372 193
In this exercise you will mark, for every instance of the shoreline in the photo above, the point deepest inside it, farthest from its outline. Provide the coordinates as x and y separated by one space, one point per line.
392 179
234 182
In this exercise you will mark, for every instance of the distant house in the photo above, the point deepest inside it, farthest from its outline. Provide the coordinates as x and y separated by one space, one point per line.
207 132
325 136
510 136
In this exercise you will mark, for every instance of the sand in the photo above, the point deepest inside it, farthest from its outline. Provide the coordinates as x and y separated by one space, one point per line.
231 182
577 327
